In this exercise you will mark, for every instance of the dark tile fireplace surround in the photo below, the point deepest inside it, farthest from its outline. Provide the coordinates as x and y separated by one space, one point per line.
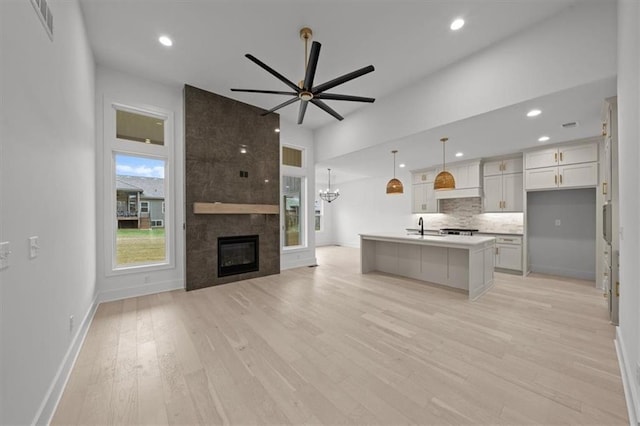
232 155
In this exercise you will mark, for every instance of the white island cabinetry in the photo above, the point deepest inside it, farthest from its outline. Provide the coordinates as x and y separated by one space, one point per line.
462 262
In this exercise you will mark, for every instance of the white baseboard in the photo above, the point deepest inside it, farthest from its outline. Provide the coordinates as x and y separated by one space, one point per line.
298 263
626 371
141 290
563 272
54 393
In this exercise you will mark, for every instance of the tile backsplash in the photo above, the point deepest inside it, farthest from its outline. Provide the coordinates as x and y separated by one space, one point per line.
467 213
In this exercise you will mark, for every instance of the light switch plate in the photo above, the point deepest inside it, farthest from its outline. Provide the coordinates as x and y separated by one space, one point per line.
4 255
33 247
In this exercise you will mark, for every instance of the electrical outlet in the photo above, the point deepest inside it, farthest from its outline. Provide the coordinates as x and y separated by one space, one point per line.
33 247
70 323
558 223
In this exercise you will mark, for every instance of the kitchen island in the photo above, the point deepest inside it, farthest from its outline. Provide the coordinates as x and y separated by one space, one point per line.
462 262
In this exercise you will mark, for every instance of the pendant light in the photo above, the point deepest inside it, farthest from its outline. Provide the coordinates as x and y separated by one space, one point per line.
394 186
328 195
444 180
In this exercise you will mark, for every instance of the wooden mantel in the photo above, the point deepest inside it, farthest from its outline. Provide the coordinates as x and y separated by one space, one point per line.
227 208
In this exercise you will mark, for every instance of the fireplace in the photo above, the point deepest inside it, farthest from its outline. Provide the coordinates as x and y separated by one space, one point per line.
237 255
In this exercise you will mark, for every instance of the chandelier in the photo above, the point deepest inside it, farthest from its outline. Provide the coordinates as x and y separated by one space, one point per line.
327 195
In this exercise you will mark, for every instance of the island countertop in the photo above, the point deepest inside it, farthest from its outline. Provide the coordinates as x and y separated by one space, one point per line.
453 241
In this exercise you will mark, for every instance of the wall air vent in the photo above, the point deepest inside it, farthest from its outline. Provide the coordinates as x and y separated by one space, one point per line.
570 125
45 15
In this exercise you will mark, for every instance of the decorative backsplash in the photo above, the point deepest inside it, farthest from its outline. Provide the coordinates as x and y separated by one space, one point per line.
467 213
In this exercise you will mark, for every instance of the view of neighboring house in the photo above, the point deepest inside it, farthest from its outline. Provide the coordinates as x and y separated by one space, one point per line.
140 202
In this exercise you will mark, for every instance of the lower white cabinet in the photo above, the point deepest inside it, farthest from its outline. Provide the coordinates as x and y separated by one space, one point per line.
509 253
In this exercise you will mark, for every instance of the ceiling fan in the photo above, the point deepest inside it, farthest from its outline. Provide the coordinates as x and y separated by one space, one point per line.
305 91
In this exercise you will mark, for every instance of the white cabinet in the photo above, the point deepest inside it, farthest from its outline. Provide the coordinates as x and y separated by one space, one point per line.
423 194
503 186
573 166
509 253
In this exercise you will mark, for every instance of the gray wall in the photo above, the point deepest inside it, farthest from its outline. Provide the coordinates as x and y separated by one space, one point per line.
569 249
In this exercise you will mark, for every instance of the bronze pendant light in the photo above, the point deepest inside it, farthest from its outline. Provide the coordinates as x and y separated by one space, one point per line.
444 180
394 186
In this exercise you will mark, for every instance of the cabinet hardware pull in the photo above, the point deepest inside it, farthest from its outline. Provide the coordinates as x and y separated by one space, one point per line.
560 155
617 288
556 179
496 250
604 129
560 179
604 188
555 157
606 274
604 295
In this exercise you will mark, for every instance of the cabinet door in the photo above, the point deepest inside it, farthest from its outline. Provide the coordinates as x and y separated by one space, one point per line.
420 198
606 172
512 165
432 202
578 154
509 256
493 193
578 175
512 192
545 178
492 168
543 158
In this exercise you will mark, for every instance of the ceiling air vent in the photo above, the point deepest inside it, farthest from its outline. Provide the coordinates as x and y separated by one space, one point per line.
569 125
44 13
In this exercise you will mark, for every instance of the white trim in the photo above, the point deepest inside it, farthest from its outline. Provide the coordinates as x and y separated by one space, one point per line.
143 290
297 263
52 398
626 372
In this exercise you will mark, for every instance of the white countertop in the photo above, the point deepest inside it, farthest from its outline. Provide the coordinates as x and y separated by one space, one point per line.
454 241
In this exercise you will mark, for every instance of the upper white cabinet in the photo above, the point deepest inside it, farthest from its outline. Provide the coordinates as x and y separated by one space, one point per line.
503 185
573 166
423 194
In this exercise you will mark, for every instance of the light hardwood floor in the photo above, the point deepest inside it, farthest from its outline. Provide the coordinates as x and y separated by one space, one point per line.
328 345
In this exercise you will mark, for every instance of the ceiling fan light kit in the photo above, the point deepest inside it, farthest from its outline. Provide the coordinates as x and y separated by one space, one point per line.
444 180
305 91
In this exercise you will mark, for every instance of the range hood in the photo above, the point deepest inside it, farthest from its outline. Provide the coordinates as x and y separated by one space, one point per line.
446 194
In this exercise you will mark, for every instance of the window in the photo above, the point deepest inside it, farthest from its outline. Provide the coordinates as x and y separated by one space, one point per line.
318 215
293 211
137 153
291 157
137 242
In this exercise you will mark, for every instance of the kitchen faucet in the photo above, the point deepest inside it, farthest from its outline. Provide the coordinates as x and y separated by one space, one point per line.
421 226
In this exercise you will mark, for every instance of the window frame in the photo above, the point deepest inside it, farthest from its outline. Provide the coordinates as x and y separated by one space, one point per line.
115 146
297 172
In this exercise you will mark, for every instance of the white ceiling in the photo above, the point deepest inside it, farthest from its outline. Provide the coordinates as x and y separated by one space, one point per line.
406 40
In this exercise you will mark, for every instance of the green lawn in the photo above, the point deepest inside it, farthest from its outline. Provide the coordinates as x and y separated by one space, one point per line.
140 246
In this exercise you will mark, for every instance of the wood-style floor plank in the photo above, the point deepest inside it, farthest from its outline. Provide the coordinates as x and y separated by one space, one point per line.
328 345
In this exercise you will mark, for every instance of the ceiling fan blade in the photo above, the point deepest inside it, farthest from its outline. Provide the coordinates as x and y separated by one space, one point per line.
335 97
301 112
282 105
273 92
273 72
312 65
326 108
342 79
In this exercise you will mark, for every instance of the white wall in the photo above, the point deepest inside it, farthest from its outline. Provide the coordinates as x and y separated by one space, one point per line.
628 338
294 135
364 206
569 49
325 237
136 91
47 189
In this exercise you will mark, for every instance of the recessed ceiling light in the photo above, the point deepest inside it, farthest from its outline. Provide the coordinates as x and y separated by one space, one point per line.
534 113
459 154
402 165
165 41
457 24
543 138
